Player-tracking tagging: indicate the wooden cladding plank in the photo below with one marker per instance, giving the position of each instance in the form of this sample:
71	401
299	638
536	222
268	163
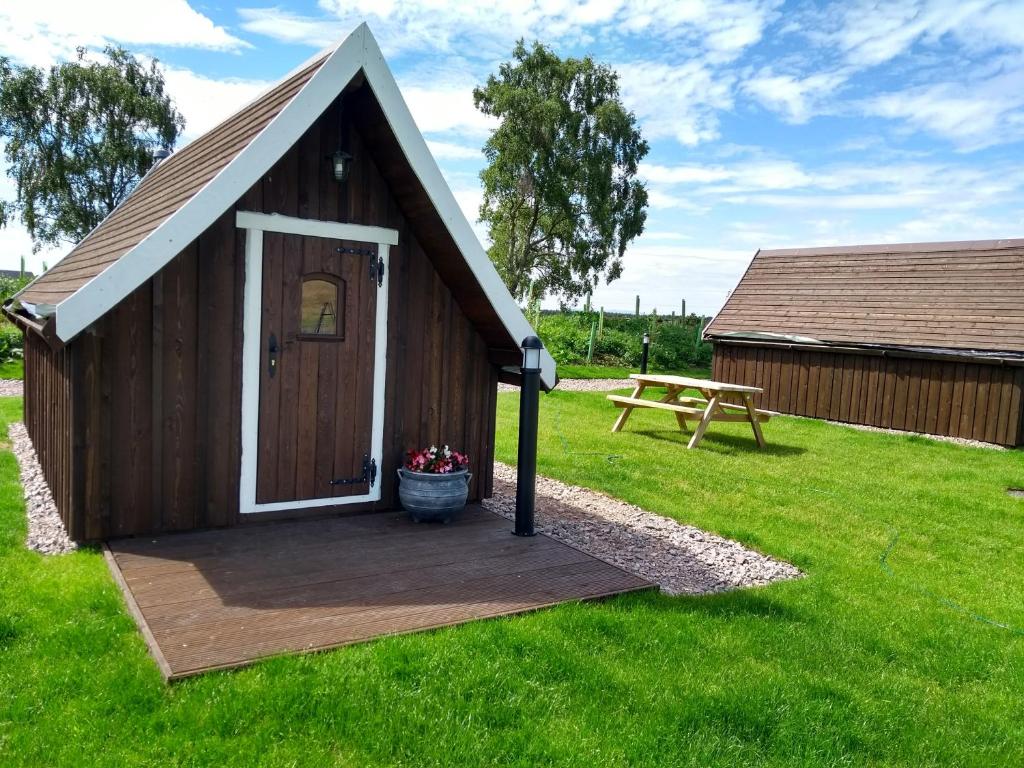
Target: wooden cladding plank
970	400
49	420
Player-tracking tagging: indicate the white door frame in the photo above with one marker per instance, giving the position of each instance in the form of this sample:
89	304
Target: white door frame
255	224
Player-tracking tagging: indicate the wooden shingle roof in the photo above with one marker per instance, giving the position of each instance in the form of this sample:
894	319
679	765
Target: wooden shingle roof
956	296
162	192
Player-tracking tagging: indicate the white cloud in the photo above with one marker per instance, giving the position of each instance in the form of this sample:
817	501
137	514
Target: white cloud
972	115
444	107
757	174
681	101
797	99
446	150
871	33
287	27
722	27
39	32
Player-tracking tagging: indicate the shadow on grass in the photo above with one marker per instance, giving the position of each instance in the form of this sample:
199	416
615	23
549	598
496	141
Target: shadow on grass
726	441
745	601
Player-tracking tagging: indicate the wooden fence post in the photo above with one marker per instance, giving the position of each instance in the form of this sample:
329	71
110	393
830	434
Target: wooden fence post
600	323
593	337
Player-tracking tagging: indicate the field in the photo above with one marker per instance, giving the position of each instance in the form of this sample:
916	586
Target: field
904	645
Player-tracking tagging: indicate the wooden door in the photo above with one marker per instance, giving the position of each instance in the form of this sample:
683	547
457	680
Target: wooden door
317	333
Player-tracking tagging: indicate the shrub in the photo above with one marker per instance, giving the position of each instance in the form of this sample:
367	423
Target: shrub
675	342
11	340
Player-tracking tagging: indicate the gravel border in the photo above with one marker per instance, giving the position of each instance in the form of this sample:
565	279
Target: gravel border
46	532
11	388
681	559
580	385
940	438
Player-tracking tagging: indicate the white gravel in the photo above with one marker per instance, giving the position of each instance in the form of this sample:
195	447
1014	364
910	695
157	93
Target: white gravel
10	388
46	532
680	559
580	385
940	438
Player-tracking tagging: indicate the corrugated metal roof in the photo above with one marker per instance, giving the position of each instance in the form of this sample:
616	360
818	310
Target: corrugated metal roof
959	296
162	192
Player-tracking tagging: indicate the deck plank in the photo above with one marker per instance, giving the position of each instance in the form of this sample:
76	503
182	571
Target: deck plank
226	598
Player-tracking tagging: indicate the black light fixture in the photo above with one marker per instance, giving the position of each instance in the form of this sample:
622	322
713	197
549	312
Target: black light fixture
341	164
526	469
645	349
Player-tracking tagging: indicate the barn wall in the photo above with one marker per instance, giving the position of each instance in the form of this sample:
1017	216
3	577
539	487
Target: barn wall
48	417
970	400
161	373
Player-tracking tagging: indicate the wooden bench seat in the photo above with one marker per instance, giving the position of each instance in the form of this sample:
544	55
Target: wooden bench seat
688	411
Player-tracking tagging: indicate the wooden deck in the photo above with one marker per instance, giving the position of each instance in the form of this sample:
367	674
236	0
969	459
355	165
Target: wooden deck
224	598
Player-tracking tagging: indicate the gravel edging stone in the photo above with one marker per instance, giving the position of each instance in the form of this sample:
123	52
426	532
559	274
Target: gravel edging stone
681	559
46	532
580	385
11	388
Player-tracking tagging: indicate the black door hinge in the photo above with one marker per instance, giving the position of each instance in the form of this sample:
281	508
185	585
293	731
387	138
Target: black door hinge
369	474
377	270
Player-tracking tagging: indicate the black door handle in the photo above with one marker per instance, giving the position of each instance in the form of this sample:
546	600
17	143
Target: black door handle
272	351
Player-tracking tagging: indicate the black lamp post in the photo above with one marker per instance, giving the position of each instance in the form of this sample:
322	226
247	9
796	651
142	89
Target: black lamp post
644	352
529	403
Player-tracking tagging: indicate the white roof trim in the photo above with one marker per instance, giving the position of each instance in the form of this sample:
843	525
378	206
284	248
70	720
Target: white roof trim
359	51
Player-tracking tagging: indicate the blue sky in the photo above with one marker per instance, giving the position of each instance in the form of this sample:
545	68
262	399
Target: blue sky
771	124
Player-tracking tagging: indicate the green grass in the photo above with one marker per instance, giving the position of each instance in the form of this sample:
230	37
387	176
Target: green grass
616	372
849	666
12	369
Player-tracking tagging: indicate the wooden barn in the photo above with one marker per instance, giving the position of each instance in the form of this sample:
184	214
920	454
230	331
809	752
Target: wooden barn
269	321
925	337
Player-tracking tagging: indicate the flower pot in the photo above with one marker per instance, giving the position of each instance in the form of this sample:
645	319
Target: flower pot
428	496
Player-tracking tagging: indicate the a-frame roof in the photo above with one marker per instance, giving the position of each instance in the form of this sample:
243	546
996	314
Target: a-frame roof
961	296
186	193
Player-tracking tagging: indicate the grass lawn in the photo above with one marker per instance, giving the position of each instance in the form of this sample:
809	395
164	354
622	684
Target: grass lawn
12	369
853	665
614	372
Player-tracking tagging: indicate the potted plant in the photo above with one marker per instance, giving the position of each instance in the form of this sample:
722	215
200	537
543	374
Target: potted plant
434	483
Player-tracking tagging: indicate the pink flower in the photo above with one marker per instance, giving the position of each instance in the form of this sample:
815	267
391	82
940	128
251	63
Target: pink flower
437	460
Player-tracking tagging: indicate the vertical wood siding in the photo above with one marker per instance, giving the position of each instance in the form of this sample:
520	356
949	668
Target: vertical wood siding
48	418
971	400
160	376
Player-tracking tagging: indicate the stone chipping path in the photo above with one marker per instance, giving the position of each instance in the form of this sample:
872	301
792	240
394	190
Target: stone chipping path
580	385
681	559
46	532
10	388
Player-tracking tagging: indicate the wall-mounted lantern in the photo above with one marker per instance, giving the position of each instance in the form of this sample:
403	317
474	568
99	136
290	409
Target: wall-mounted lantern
341	165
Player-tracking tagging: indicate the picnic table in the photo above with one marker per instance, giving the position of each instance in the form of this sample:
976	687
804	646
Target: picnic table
714	405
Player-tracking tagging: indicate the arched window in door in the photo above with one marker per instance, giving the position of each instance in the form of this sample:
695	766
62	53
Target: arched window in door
323	307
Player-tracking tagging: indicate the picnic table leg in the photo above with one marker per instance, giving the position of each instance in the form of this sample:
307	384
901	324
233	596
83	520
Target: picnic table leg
621	421
752	413
709	414
672	396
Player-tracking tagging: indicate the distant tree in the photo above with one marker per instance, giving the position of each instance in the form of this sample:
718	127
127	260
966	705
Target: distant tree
78	138
561	196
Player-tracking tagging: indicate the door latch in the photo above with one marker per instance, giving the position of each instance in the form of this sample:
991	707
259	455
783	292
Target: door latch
272	350
369	474
377	270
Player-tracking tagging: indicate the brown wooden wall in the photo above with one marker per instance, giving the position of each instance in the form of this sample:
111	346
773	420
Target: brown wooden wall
48	417
971	400
158	439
